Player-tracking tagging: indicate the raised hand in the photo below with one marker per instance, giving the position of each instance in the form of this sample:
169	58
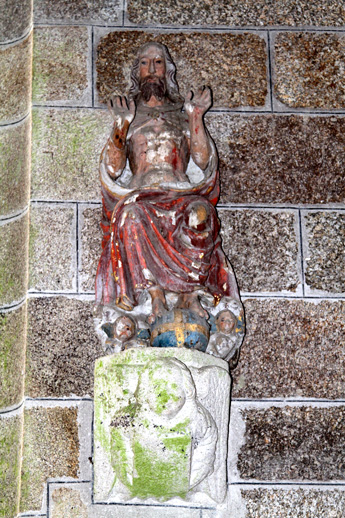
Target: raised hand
121	109
198	103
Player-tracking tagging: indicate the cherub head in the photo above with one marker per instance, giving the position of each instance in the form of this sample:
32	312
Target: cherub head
225	322
124	328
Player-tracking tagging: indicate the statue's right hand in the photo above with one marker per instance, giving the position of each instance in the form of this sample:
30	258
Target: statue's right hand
121	109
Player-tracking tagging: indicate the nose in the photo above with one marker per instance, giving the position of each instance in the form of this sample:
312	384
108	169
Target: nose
152	68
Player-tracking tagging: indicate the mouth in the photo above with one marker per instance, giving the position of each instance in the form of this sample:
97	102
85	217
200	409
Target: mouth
151	79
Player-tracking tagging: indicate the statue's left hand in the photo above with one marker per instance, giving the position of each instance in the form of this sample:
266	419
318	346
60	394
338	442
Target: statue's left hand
198	103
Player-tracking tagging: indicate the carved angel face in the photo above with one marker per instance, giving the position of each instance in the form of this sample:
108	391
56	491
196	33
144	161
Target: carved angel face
225	322
124	329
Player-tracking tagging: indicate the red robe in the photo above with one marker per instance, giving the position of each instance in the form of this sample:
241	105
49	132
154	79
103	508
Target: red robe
147	242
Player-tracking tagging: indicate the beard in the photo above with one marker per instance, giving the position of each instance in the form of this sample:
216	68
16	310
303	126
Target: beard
157	88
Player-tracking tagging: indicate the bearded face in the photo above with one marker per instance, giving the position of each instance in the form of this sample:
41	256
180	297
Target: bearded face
152	85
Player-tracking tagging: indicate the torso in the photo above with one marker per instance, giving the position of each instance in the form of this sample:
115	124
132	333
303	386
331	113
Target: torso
158	146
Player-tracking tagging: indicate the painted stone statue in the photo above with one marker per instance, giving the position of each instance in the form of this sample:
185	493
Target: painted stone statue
162	264
169	312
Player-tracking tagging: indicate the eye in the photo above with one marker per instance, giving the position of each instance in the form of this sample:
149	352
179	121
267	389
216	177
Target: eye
143	62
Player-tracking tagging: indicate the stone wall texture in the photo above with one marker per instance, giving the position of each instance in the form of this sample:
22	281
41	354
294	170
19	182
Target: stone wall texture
15	81
278	119
15	153
50	450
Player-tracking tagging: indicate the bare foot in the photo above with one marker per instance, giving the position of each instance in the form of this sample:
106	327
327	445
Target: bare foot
158	305
191	301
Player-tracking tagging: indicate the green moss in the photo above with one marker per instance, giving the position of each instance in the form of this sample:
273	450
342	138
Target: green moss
59	64
155	477
14	170
142	356
12	331
7	282
146	423
13	260
31	478
181	427
33	236
130	410
37	136
163	398
119	458
148	455
10	436
177	444
15	65
163	391
107	399
65	153
101	434
40	80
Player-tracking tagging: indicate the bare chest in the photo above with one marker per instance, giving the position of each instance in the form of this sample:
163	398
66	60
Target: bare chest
157	134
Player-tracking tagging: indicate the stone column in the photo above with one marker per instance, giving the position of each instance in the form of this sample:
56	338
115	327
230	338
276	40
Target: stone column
15	129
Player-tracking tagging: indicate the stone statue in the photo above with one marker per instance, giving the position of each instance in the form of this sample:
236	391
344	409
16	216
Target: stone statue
166	294
162	262
161	426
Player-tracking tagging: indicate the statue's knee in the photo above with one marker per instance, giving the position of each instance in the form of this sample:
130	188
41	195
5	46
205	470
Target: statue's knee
130	212
198	214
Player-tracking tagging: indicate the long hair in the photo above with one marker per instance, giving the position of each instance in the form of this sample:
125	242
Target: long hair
172	86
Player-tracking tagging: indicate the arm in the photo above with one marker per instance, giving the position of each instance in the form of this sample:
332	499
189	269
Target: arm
114	154
196	106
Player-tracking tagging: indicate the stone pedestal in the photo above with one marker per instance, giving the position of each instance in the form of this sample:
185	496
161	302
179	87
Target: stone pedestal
161	426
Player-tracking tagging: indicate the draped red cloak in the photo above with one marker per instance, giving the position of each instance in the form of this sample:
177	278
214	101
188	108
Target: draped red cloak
148	242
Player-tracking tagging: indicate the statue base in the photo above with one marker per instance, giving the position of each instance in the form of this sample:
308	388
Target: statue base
161	427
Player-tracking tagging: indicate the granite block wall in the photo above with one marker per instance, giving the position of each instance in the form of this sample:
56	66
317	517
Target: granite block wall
277	74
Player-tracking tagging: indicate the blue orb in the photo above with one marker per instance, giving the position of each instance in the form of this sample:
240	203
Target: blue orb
180	328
